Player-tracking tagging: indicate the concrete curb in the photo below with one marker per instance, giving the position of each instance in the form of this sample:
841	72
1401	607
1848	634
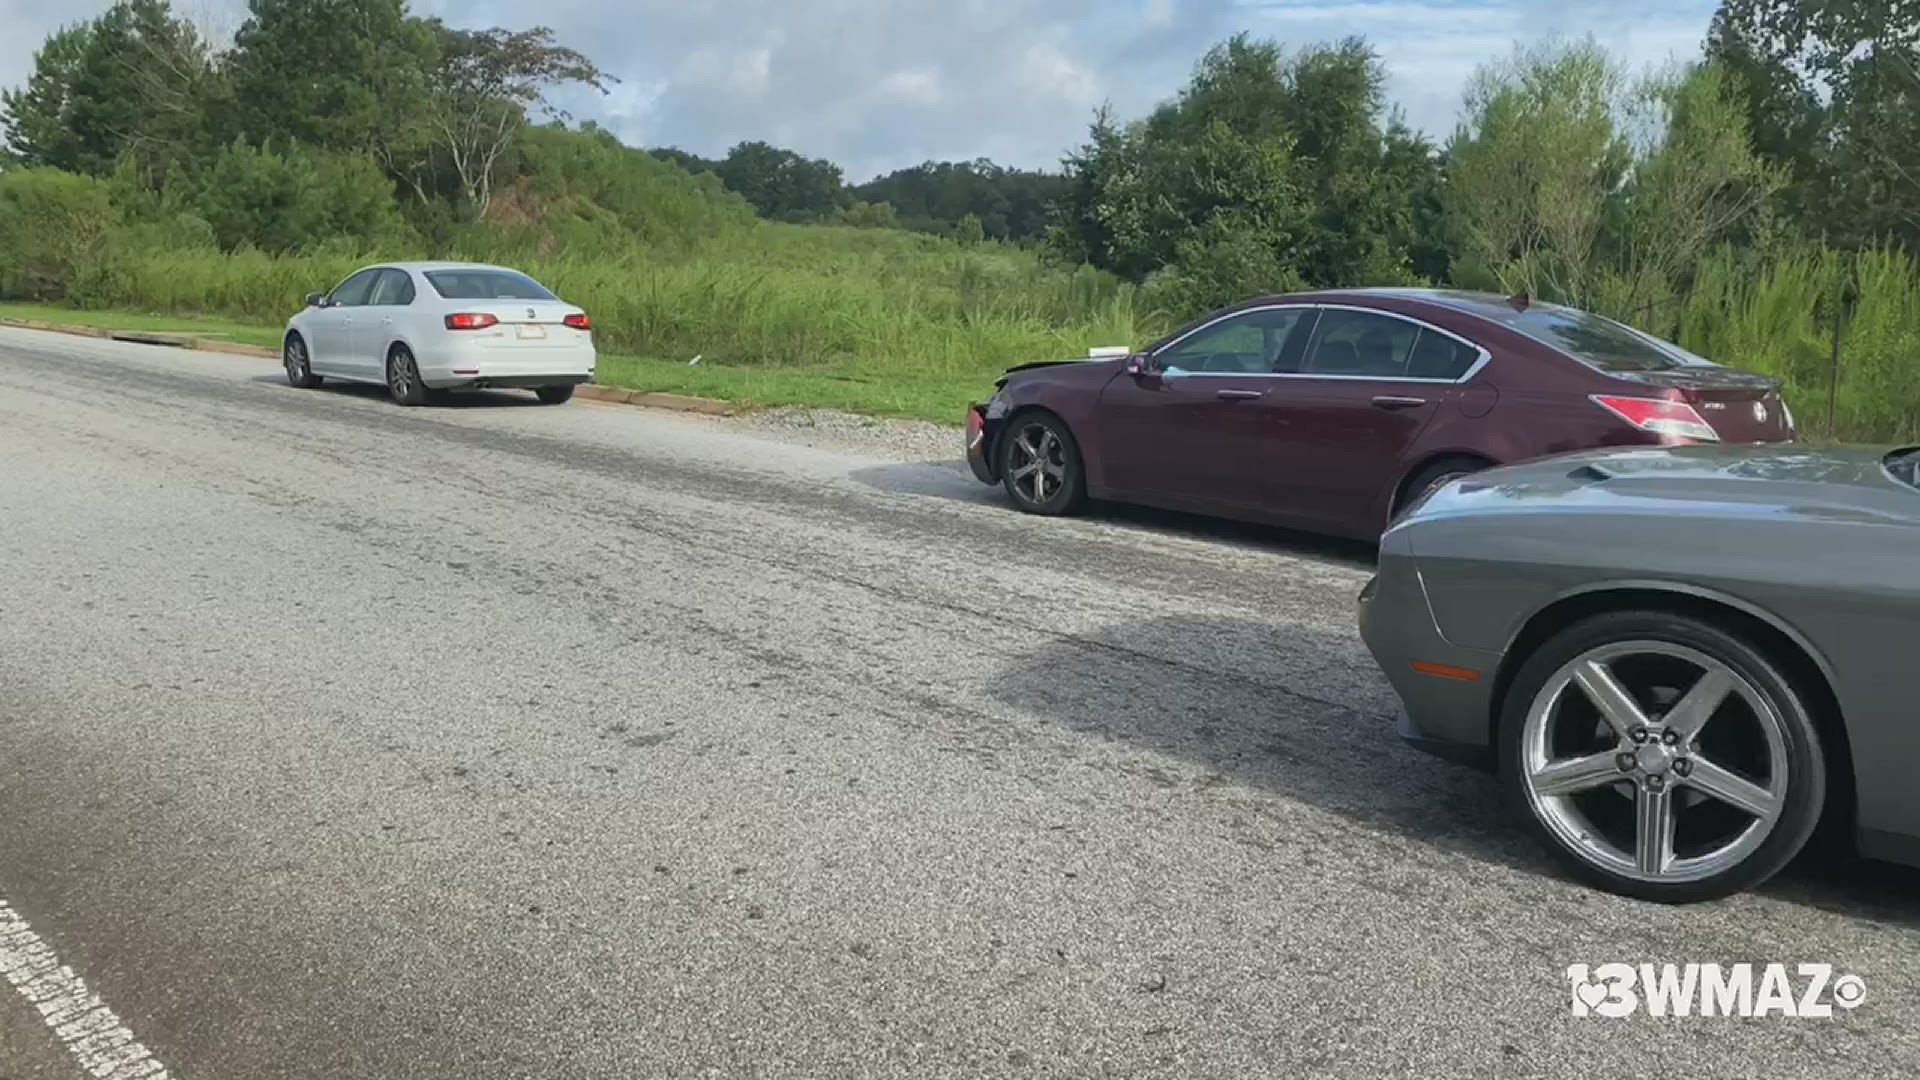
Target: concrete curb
591	391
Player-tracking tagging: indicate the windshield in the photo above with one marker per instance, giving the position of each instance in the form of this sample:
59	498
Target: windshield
1597	341
486	285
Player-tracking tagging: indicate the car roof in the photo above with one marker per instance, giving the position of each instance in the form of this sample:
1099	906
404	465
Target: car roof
1485	304
436	264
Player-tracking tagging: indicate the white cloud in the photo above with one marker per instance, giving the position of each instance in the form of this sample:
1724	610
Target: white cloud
877	84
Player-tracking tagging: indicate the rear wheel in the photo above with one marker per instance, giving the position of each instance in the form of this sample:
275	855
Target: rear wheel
403	378
1040	465
554	395
298	363
1661	757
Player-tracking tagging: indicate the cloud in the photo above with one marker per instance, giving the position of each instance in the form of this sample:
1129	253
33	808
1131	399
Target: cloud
878	84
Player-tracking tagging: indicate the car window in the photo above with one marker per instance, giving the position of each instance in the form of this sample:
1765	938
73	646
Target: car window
395	290
1361	343
1437	356
353	291
1253	343
486	285
1598	341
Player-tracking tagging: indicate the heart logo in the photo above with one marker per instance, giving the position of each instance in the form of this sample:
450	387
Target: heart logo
1592	994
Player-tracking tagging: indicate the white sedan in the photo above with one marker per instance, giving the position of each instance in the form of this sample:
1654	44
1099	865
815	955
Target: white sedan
420	328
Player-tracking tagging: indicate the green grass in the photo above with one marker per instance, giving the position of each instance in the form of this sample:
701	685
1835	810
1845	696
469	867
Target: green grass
925	396
200	326
851	387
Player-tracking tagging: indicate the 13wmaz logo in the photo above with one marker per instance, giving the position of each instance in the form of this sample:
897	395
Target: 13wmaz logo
1619	990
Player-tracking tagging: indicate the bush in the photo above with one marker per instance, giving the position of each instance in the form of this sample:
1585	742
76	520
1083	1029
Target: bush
55	229
295	199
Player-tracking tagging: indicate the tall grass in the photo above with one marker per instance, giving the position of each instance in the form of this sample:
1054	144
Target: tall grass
773	295
1779	318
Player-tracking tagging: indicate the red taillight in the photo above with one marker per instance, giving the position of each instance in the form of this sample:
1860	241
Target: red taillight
471	320
1659	416
578	322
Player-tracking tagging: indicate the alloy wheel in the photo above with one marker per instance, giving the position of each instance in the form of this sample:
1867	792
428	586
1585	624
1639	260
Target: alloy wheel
400	375
295	358
1037	463
1655	761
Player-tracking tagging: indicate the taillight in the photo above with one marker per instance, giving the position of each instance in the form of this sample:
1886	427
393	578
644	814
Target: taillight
578	321
471	320
1659	416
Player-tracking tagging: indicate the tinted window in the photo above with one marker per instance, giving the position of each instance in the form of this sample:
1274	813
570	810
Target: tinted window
1360	343
486	285
1437	356
1253	344
1597	341
353	291
395	290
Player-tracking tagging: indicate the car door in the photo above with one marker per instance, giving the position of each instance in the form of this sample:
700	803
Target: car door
332	326
378	324
1189	430
1370	382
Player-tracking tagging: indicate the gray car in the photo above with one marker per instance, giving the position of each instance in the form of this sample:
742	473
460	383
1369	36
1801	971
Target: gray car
1683	662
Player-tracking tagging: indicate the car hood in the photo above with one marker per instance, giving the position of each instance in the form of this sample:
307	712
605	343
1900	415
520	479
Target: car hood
1098	370
1732	481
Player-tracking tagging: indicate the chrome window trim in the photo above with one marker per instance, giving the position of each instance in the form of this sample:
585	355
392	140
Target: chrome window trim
1473	370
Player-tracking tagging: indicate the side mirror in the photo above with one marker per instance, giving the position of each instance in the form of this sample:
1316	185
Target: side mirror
1139	364
315	299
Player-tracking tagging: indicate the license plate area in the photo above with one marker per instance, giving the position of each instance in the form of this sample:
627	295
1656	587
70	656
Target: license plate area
529	333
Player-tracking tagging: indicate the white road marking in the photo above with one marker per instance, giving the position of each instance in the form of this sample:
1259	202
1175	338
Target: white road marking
80	1020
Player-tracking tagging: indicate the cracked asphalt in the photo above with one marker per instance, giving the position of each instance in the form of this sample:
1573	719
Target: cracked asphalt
497	740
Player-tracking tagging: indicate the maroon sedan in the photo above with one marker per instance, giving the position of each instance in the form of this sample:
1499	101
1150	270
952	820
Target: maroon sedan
1329	411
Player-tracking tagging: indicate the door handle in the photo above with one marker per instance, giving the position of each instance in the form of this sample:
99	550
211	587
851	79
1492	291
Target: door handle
1390	401
1239	395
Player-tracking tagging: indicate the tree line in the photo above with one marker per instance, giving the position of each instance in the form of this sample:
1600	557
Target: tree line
1568	176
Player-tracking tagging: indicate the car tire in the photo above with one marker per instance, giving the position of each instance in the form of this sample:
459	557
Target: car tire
403	378
1434	475
1056	484
298	362
1764	720
554	395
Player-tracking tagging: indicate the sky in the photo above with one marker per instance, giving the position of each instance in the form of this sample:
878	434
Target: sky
876	85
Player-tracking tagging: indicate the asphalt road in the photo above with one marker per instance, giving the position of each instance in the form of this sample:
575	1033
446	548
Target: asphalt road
498	740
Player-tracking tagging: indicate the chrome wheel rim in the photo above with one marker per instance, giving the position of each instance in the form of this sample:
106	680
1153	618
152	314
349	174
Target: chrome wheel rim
1037	463
296	361
400	375
1655	761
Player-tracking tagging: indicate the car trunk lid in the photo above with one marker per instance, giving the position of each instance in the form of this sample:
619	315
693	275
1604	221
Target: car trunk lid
524	324
1740	406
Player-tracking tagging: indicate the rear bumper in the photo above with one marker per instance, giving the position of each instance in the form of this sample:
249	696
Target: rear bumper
512	382
462	364
981	433
1446	691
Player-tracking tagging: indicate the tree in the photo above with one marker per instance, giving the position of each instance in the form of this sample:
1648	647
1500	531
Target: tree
1530	170
782	184
133	81
1277	165
481	91
1012	204
1567	183
1831	90
341	74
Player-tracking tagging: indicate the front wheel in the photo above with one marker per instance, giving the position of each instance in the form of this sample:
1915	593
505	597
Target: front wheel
554	395
298	363
1040	465
1660	756
403	378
